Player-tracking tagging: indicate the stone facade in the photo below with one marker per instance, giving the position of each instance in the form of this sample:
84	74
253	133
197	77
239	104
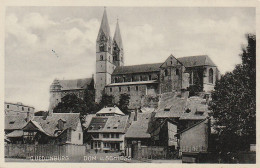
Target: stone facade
19	109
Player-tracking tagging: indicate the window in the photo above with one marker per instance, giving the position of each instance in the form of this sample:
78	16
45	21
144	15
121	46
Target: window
119	89
177	72
7	106
166	72
95	135
141	78
136	88
128	88
116	80
28	109
23	108
79	136
112	135
171	62
150	77
101	57
124	79
105	135
117	135
110	89
210	75
132	78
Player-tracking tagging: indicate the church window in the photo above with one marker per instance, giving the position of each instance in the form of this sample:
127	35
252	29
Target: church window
177	72
150	77
132	78
136	88
102	47
101	58
79	136
110	89
124	79
141	78
128	88
116	80
210	75
119	89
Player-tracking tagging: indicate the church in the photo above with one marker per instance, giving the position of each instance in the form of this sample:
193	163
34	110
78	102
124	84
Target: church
144	83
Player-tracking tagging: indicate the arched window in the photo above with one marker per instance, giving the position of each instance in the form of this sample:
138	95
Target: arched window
101	47
210	75
101	57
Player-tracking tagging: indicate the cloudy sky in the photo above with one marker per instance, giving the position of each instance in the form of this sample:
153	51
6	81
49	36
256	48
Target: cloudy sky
149	35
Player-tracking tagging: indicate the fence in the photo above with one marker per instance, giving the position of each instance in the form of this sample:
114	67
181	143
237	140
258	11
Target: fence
146	152
46	150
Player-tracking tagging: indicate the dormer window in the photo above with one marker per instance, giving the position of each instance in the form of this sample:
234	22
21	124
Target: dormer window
60	124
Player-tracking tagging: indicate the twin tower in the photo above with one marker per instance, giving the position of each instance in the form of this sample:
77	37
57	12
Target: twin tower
109	55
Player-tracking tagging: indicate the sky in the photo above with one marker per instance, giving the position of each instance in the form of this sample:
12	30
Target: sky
149	34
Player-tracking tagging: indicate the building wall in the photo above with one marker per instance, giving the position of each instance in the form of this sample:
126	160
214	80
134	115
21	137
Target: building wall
136	96
120	78
207	86
77	135
56	96
195	139
18	109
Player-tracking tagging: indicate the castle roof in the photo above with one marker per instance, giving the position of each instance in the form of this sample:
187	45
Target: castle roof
200	60
117	36
189	61
137	68
104	27
74	84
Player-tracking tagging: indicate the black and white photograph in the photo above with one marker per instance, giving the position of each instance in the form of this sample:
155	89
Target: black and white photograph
129	84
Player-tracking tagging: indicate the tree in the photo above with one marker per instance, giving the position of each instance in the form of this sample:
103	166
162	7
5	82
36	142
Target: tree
89	98
106	101
234	104
71	104
124	103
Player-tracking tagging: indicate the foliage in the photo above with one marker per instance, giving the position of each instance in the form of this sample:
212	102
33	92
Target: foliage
70	104
234	104
89	98
106	101
124	103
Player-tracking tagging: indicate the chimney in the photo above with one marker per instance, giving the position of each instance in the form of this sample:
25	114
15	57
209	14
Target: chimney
27	116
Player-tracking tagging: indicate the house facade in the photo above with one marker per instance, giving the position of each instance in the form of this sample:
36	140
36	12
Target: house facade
19	109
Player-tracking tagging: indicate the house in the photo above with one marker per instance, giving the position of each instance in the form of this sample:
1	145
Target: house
195	142
14	128
107	133
110	111
19	109
60	128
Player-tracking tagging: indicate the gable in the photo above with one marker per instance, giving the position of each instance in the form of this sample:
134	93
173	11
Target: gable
171	61
30	127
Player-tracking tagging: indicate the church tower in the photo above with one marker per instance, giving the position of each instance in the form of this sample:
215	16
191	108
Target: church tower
104	59
118	52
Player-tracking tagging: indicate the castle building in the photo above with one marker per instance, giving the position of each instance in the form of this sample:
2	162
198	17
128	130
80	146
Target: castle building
142	82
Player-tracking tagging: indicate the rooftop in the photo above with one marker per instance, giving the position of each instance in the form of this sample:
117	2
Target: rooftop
110	110
133	83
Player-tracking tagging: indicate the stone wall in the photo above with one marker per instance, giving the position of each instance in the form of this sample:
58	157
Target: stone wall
135	77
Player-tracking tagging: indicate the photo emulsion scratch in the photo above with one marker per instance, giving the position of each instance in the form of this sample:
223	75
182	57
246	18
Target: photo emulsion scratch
130	84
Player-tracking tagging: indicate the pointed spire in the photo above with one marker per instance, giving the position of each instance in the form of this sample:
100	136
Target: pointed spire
104	27
117	36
